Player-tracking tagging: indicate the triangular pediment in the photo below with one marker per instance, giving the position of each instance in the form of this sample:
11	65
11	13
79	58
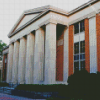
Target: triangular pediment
31	15
25	19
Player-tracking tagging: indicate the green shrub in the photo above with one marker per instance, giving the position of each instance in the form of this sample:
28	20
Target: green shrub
84	85
41	88
2	84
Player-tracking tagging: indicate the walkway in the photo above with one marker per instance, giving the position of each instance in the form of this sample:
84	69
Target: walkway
11	97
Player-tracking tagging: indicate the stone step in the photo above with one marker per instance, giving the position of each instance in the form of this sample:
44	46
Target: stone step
7	90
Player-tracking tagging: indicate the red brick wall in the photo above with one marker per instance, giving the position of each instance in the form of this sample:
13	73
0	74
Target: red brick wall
4	72
71	48
98	40
3	67
59	65
87	53
59	56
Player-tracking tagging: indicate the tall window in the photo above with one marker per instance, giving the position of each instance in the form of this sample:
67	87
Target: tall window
79	48
76	28
79	27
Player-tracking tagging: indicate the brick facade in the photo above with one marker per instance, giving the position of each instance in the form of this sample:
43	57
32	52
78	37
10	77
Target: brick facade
3	76
87	53
59	54
71	48
59	63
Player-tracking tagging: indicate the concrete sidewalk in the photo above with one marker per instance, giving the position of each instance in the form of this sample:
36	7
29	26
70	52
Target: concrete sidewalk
11	97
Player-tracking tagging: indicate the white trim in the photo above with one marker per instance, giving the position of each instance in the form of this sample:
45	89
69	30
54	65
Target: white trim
44	10
93	45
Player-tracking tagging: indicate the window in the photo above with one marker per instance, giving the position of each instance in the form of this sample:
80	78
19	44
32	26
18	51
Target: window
82	46
76	48
79	56
76	28
79	47
76	66
79	27
82	26
82	64
76	57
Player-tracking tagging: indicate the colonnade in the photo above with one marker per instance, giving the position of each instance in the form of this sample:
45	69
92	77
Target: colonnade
32	58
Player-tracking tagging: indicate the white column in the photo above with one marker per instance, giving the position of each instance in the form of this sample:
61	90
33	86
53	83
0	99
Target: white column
29	59
93	45
22	61
39	56
15	63
10	63
50	54
65	71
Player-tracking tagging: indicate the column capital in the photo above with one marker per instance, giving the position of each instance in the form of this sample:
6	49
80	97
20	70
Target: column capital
12	42
91	15
47	22
22	37
32	32
16	40
98	12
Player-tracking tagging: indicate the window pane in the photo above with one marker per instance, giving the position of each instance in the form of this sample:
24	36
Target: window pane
82	63
82	56
76	66
82	44
82	26
76	48
82	50
76	57
76	28
82	47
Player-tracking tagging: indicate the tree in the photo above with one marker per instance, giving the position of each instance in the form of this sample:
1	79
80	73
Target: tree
2	45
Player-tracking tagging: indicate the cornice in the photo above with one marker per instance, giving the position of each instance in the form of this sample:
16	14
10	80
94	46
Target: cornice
6	47
92	14
16	24
28	23
47	22
82	7
44	10
5	51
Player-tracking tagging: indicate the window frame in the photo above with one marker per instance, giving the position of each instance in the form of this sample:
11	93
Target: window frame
80	52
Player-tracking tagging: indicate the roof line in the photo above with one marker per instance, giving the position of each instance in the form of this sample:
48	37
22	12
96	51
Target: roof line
46	9
82	7
5	47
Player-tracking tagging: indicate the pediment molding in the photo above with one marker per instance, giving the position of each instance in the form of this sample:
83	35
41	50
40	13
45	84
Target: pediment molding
44	10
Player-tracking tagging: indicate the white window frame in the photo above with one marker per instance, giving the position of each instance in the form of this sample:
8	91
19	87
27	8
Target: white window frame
79	48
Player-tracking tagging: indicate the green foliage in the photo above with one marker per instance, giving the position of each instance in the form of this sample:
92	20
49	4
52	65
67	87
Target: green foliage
80	77
41	88
3	84
84	85
2	45
81	86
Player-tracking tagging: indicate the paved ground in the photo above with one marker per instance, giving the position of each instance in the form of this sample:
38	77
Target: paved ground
11	97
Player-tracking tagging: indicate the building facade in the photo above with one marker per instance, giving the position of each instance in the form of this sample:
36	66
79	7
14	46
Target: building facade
4	63
48	44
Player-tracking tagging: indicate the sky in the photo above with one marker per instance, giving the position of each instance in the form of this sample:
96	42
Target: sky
10	11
